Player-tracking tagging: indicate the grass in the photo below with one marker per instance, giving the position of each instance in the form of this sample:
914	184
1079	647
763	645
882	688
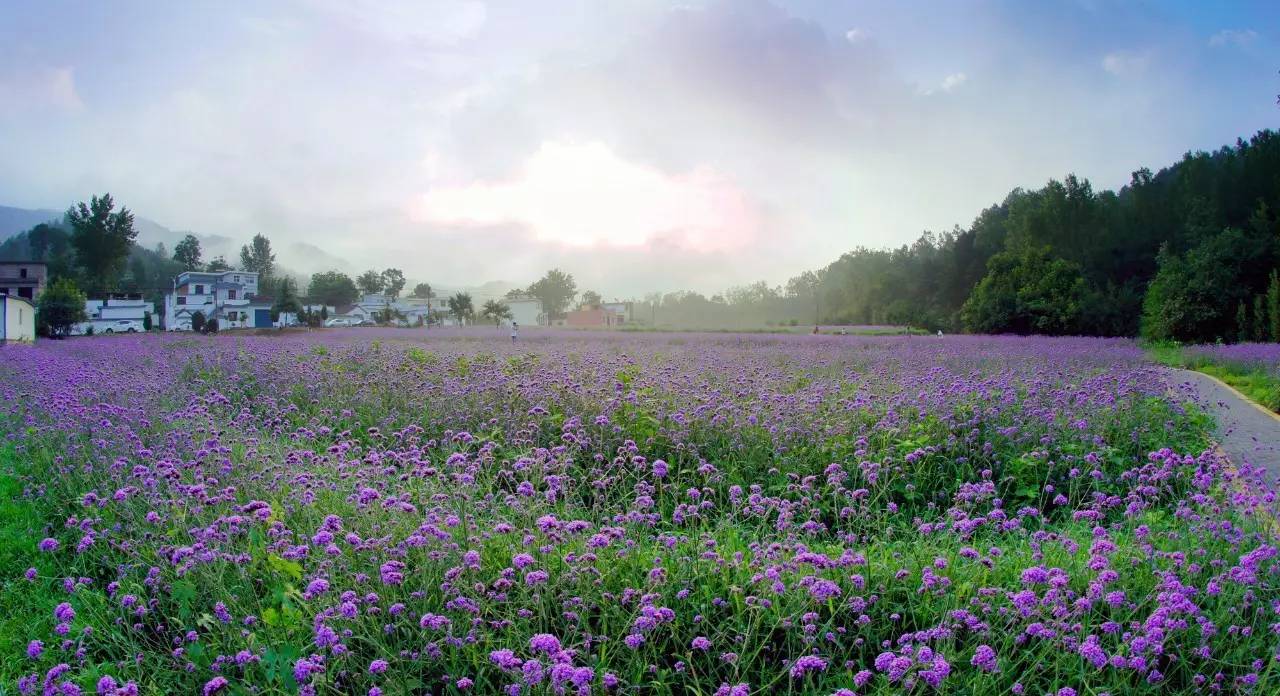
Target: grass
24	605
1258	384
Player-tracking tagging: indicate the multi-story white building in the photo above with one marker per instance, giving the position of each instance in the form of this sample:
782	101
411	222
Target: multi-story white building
231	297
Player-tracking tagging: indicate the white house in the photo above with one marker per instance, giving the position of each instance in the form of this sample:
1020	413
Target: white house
525	310
231	297
120	308
624	312
371	307
18	320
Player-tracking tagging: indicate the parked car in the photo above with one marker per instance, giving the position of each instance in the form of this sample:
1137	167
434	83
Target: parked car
119	326
339	322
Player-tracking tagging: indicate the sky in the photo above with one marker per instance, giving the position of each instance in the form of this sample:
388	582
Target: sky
640	145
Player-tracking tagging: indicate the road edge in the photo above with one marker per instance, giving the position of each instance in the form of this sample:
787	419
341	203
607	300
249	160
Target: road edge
1272	414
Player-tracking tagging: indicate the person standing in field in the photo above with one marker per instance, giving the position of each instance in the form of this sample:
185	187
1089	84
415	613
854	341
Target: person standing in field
515	331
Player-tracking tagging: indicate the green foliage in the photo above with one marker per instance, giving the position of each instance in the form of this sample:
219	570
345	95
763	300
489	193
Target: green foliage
422	290
286	299
332	288
371	282
217	265
1024	293
102	238
1273	306
1196	296
556	290
1114	238
392	282
461	307
495	311
256	256
61	305
187	253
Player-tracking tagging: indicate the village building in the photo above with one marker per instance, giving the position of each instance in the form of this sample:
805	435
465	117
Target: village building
230	297
17	319
24	279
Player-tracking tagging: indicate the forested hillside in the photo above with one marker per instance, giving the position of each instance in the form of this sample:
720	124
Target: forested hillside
1065	259
148	272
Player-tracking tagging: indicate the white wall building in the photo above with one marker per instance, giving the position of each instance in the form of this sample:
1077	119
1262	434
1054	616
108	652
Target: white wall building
231	297
525	311
18	323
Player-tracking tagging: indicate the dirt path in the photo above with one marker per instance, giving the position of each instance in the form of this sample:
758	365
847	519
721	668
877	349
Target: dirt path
1249	433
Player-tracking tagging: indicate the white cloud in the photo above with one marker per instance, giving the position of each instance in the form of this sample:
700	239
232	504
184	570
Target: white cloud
582	194
43	87
1235	37
953	81
1126	63
950	83
856	35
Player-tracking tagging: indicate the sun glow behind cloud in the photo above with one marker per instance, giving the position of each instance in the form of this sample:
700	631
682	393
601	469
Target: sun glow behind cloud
583	194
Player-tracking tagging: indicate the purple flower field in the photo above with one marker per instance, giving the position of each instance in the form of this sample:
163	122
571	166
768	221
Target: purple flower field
383	512
1254	356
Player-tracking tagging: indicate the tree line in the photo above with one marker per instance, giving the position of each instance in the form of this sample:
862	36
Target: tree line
1187	253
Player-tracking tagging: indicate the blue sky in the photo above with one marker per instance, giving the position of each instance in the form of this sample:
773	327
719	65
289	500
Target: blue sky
640	145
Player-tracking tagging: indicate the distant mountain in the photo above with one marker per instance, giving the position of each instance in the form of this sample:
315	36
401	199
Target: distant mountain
15	220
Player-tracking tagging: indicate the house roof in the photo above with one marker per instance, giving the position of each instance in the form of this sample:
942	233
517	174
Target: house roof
23	300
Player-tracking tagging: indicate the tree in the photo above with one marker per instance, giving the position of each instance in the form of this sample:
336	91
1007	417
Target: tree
187	253
370	282
591	299
495	311
256	257
1273	306
332	288
102	238
197	322
286	298
61	306
1193	296
392	282
461	308
218	264
422	290
556	290
1025	293
1260	323
40	239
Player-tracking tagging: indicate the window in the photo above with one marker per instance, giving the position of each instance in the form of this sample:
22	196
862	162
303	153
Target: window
236	278
22	273
182	300
231	294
